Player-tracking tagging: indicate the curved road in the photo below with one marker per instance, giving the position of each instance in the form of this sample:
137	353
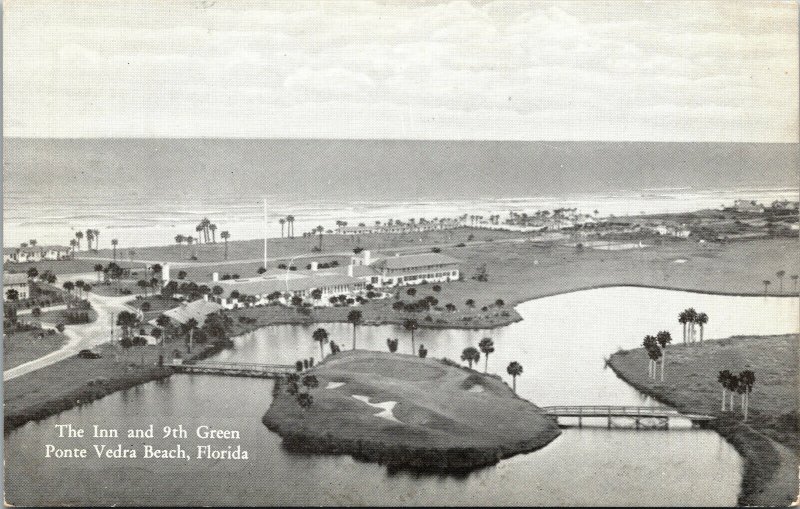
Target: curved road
79	336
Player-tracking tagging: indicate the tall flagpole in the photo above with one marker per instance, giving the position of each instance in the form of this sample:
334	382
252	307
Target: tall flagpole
265	233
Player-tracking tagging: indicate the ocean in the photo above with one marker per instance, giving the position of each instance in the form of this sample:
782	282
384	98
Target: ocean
146	191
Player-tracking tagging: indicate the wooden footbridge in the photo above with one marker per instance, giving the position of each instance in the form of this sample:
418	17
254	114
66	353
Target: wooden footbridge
642	416
236	369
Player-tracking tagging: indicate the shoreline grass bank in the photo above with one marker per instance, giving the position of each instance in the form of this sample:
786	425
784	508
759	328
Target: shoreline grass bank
768	442
78	381
442	418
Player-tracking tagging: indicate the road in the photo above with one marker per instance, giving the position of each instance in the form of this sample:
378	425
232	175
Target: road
79	336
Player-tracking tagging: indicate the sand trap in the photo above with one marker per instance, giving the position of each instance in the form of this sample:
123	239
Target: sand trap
476	388
681	260
334	385
387	408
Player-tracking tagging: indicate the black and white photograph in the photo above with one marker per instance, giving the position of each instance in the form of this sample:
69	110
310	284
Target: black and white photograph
401	253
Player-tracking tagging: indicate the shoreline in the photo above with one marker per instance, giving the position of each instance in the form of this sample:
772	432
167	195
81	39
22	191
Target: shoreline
763	460
14	421
243	329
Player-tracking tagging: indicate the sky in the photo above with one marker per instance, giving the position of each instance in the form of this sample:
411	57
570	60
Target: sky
507	70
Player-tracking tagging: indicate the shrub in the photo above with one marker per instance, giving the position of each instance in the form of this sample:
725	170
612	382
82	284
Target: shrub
60	327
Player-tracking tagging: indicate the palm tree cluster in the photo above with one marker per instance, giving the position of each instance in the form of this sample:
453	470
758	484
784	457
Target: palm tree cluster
206	231
656	348
295	384
92	236
288	222
689	319
741	384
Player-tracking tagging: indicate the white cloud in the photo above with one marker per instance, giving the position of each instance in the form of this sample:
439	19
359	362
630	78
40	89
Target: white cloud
503	69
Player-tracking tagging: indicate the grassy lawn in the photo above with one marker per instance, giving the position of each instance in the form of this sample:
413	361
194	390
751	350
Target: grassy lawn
521	271
254	249
21	347
59	316
57	267
439	408
691	386
116	288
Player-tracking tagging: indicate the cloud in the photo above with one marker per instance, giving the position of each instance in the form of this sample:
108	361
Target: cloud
649	70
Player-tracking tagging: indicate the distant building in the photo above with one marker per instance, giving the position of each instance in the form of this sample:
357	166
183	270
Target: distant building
749	206
18	282
30	254
397	227
785	205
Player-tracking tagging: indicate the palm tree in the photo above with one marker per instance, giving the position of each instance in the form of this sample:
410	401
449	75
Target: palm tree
73	244
79	236
514	369
178	240
766	282
282	221
290	220
691	317
650	344
163	322
702	320
320	229
780	275
354	317
89	238
143	285
487	346
213	229
98	268
664	338
96	239
470	355
747	378
411	325
191	325
200	229
794	283
321	336
114	243
683	320
225	235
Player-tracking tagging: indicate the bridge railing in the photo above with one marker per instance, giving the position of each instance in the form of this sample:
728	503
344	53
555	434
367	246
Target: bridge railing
605	410
239	365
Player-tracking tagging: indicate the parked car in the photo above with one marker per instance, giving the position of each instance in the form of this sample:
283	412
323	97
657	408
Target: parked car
88	354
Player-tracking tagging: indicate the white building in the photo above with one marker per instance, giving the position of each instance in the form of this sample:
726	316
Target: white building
31	254
404	270
18	282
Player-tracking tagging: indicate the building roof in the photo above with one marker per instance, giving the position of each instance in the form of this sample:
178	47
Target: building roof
364	270
14	279
261	286
416	260
10	250
198	310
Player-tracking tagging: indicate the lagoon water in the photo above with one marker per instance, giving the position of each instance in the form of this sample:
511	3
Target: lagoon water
561	343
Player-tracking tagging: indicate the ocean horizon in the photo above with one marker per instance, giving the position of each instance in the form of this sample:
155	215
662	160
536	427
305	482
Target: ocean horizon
146	191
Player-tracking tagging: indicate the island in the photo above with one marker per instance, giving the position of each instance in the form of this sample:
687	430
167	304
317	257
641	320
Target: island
768	438
407	413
